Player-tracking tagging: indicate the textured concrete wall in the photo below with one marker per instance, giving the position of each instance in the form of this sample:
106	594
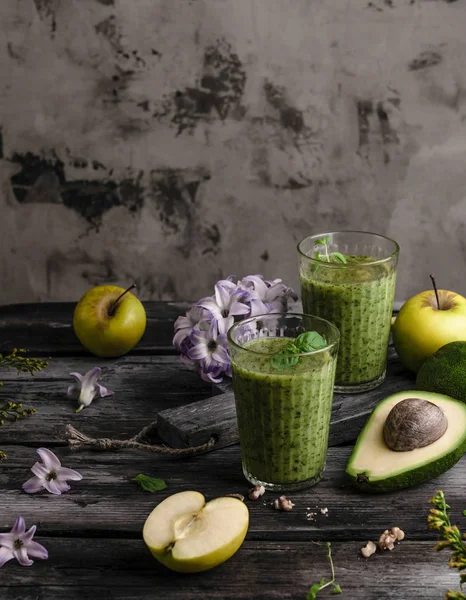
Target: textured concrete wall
171	142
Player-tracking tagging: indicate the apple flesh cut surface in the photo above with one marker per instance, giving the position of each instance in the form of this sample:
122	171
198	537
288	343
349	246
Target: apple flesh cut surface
188	535
421	327
107	329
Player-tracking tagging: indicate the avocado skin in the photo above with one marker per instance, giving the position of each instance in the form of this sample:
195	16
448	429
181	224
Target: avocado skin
445	372
411	478
408	478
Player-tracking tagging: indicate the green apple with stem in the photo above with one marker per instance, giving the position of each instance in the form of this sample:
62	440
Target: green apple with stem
426	322
109	320
187	534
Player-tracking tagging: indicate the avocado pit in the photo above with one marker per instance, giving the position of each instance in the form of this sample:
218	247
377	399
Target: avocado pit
413	423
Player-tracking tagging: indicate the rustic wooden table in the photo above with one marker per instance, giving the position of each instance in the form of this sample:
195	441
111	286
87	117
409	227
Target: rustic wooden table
93	533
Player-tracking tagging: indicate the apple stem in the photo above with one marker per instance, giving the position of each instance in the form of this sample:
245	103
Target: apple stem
111	310
435	290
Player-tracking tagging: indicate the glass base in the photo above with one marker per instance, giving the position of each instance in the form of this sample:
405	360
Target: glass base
284	487
356	388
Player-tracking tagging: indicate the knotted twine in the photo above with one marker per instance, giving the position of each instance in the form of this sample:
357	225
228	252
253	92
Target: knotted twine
77	440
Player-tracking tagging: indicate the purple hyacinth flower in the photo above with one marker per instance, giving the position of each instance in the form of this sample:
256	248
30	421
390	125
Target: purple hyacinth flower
210	350
20	545
87	388
50	475
196	318
227	303
267	296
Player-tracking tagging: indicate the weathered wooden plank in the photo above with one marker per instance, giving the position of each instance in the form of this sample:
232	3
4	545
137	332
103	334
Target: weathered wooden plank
196	423
143	386
106	503
47	329
109	569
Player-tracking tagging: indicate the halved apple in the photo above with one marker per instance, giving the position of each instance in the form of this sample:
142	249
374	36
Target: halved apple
188	535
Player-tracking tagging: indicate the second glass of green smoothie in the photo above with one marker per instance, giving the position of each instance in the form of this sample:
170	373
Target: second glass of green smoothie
283	396
348	277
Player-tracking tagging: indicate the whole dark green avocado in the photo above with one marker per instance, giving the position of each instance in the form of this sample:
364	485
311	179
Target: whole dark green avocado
445	372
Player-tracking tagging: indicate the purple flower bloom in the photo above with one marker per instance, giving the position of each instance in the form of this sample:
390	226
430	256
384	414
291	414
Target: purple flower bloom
87	388
210	349
196	318
20	545
200	336
50	475
267	296
227	303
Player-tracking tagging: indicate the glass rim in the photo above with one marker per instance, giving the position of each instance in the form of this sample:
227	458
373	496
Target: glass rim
329	345
349	265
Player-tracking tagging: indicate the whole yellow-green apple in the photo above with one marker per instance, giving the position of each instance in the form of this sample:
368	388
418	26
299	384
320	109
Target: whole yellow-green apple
109	320
187	534
425	323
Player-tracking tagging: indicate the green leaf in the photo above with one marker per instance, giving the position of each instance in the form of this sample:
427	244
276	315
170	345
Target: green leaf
149	484
309	341
464	513
312	595
337	589
284	362
339	256
322	241
305	342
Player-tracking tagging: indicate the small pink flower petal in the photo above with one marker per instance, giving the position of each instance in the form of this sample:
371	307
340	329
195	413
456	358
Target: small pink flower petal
19	527
5	555
224	324
198	352
52	487
7	540
37	550
39	470
90	378
77	376
103	391
180	336
21	556
73	390
33	485
27	537
50	460
62	486
221	355
65	473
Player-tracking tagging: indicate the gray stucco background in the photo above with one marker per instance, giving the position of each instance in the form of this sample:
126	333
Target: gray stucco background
172	142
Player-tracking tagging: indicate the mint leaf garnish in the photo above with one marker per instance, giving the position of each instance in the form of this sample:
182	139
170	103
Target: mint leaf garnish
339	256
281	362
309	341
305	342
328	256
323	241
149	484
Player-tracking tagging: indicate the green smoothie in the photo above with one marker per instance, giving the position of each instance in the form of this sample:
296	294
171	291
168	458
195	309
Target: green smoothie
358	299
283	413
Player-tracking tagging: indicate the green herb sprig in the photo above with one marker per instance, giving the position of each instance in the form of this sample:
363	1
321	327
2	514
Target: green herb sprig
305	342
317	587
12	411
22	364
326	255
149	484
451	538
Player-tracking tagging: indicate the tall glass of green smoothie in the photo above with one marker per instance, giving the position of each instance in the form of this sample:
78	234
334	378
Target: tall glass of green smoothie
283	377
348	278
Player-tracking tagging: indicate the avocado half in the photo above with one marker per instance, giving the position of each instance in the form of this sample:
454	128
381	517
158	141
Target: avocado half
373	467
